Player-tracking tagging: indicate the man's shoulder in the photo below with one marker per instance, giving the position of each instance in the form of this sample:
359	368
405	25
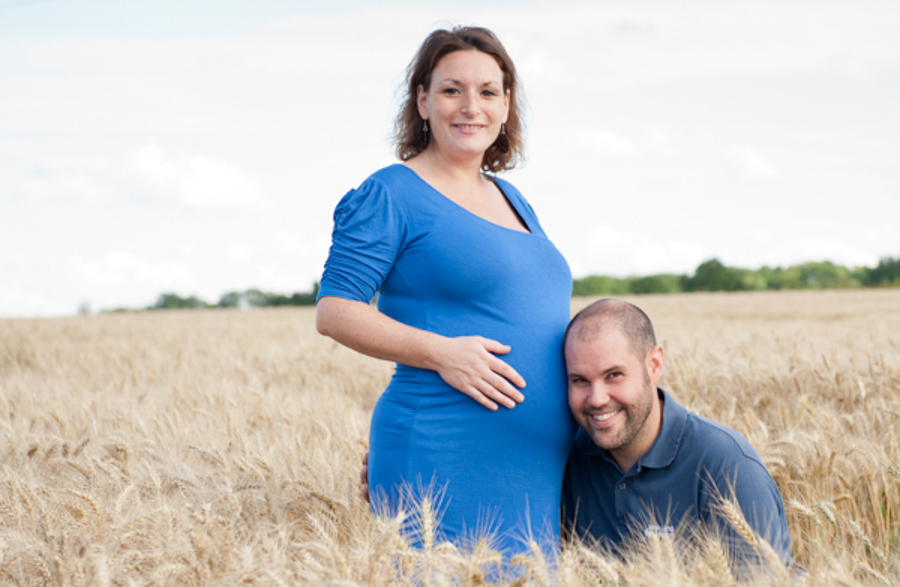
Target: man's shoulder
715	443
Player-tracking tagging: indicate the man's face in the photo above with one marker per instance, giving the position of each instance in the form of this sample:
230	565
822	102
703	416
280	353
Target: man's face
612	393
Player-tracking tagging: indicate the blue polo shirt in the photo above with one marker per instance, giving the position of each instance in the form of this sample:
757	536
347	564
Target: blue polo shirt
692	462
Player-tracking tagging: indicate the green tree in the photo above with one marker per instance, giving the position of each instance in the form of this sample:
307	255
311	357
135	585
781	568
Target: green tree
663	283
231	299
171	301
712	275
777	278
825	275
254	298
599	285
887	272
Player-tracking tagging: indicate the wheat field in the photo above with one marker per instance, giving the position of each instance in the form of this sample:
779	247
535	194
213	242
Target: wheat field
220	447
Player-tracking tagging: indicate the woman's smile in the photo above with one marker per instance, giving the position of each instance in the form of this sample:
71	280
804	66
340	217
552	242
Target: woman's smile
465	104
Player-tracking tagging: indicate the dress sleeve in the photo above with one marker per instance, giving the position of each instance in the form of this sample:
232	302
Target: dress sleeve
369	231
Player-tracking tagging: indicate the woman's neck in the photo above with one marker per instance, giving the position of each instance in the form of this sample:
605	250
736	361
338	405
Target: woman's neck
461	172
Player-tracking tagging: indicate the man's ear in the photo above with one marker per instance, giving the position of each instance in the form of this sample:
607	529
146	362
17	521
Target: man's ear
655	361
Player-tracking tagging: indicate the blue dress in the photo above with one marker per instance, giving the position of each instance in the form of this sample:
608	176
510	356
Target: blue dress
438	267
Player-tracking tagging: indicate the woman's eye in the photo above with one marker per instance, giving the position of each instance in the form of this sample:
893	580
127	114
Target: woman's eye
489	93
451	91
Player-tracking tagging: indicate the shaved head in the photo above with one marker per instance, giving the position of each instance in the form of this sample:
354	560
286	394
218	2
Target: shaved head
606	314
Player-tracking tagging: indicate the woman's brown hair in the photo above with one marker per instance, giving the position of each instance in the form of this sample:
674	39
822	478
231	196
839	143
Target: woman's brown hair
409	135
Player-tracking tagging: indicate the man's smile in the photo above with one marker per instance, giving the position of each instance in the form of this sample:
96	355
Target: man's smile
603	419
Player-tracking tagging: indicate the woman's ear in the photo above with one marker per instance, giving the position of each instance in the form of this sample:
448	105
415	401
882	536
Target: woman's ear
506	99
421	98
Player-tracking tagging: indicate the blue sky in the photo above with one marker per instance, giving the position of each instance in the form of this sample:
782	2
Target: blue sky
200	147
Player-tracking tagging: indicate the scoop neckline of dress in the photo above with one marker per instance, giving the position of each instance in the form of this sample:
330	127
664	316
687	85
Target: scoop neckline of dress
529	231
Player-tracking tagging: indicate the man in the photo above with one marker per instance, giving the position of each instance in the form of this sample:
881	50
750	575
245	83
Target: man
642	462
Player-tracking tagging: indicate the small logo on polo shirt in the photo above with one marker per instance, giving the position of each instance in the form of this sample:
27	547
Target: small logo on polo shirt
657	530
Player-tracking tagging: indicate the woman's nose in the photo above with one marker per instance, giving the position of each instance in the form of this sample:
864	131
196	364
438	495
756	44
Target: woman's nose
470	104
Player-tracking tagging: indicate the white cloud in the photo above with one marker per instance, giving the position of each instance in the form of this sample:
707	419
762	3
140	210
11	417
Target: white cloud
117	270
853	67
18	302
610	251
750	166
534	62
658	140
607	142
148	176
197	180
239	254
72	185
123	279
794	251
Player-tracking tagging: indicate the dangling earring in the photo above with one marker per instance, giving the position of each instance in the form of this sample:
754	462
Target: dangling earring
503	129
425	131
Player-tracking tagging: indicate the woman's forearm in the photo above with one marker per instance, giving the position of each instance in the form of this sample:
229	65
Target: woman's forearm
468	363
363	328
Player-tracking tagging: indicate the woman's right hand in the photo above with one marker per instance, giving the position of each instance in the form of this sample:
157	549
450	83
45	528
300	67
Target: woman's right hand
470	364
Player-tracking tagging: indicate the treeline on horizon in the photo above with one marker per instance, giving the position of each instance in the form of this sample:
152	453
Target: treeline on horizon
711	275
251	298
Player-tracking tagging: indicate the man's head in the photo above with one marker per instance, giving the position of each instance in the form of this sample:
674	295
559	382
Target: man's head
613	365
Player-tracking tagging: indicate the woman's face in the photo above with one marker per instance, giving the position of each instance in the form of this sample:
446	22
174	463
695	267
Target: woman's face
465	104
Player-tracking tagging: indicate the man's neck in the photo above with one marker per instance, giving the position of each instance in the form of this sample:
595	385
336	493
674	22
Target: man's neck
627	456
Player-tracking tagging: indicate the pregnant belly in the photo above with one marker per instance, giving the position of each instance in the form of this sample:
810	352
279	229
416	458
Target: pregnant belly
429	410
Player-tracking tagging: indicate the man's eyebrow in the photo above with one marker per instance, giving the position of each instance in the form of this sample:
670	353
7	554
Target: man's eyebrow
607	371
613	368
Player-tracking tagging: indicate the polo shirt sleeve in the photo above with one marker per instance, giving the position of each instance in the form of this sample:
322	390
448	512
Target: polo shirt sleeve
753	489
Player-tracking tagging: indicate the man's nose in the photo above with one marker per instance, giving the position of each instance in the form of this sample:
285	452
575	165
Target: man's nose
598	396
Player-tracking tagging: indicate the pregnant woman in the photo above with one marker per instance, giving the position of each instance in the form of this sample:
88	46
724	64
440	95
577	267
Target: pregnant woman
473	300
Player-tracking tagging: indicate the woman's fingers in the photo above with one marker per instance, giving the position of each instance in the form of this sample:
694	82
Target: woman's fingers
481	398
500	390
364	477
499	383
472	366
503	368
508	379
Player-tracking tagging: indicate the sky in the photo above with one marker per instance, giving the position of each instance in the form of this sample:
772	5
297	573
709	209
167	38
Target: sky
200	147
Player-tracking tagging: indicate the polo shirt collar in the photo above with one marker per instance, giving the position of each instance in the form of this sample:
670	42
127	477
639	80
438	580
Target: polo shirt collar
664	449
